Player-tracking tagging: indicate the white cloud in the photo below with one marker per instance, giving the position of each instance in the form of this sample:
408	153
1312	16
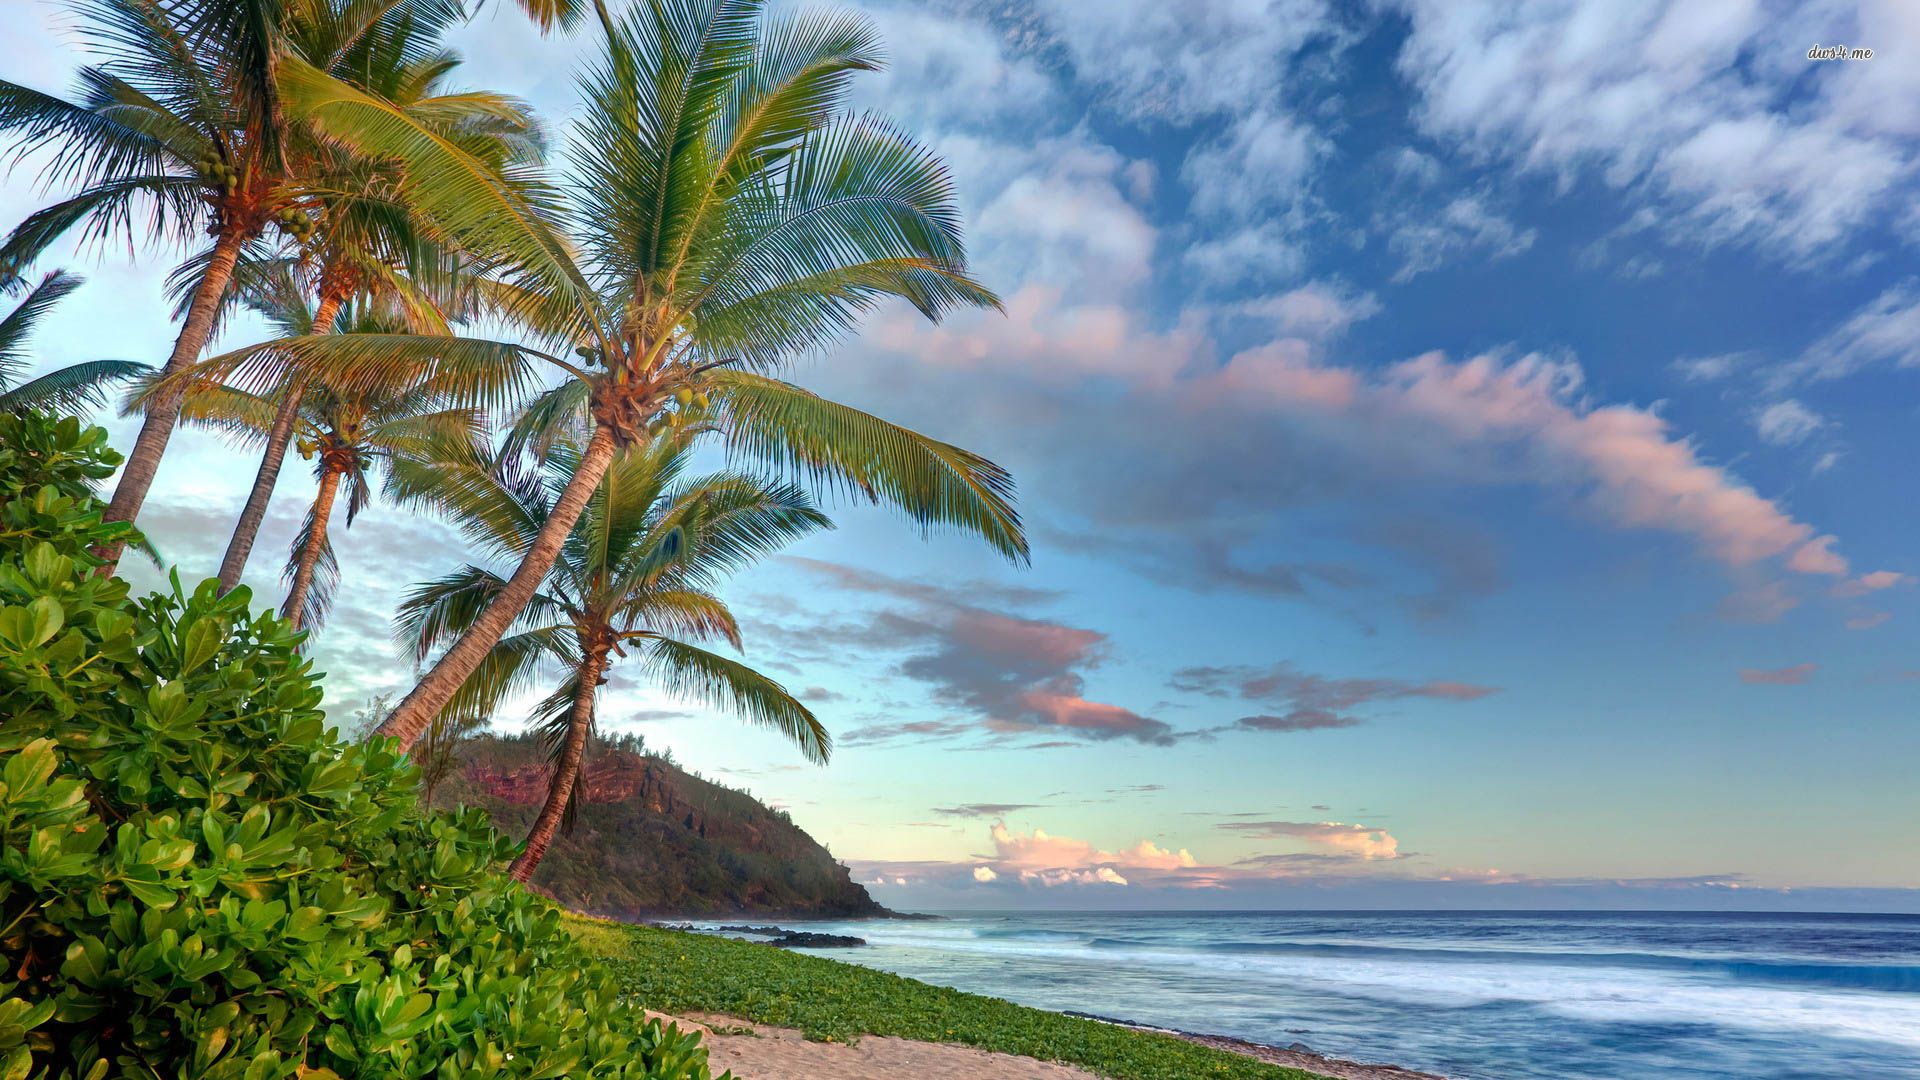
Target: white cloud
1263	160
1884	331
1679	104
1786	422
1068	223
1709	368
1184	62
1464	226
984	874
1319	309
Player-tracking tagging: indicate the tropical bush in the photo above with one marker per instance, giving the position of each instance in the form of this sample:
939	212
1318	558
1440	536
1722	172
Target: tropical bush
200	879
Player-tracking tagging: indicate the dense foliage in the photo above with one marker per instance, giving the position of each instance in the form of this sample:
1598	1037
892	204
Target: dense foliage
652	839
199	879
835	1002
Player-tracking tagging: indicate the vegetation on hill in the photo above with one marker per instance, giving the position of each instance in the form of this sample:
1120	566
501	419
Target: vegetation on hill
836	1002
199	879
652	839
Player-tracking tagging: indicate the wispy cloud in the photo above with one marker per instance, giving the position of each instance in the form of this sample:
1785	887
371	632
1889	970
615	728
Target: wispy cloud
1363	841
1309	702
1786	676
982	810
1013	674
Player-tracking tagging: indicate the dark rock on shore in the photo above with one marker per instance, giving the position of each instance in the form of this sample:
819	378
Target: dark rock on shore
806	939
794	939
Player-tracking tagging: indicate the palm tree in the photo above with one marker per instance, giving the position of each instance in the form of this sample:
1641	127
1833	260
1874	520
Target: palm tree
184	116
636	572
347	434
183	119
360	233
70	388
725	215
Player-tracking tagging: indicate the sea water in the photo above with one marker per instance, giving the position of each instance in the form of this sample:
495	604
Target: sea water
1465	994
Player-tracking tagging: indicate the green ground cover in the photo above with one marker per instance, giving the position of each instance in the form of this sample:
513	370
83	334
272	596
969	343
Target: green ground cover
827	1000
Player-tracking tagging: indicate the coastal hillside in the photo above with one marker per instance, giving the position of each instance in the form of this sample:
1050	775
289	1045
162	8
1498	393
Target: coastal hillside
651	839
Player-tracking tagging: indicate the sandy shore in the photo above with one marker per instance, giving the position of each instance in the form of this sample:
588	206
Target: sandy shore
771	1053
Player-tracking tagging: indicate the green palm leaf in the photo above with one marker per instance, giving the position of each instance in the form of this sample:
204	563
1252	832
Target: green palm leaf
693	672
834	446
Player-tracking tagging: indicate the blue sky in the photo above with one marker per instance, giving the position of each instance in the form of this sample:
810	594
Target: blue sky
1466	448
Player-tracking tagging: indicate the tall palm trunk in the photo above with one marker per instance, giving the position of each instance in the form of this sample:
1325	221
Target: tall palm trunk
163	410
410	718
310	555
247	529
566	772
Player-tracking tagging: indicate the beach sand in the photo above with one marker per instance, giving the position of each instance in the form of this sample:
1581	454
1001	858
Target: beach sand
772	1053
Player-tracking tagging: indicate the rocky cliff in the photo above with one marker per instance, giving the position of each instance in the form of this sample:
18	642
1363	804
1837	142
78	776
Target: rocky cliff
650	839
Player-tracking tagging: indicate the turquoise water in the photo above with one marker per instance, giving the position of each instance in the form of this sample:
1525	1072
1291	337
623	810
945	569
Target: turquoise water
1467	994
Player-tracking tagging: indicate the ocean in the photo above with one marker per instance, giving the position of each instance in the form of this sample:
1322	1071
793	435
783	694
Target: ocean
1496	995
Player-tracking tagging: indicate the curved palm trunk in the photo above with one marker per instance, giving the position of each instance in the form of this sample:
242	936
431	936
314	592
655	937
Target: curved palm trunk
163	411
247	529
566	772
310	555
410	718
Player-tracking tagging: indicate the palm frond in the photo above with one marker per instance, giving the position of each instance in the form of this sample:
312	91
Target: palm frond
496	503
326	576
85	385
18	324
88	148
504	223
106	209
474	371
511	668
693	672
837	447
241	417
680	613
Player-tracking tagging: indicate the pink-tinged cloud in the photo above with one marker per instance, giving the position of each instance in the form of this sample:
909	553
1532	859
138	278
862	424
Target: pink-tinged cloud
1281	372
1870	583
1042	858
1758	604
1045	708
1786	676
1013	674
1867	620
1033	642
1635	471
1816	556
1360	841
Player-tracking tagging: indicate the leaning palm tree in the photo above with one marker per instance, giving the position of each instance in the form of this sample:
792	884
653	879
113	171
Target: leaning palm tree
183	117
636	573
69	388
182	124
724	215
359	235
347	435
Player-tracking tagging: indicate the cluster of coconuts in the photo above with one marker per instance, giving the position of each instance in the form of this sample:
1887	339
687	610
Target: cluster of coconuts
219	173
691	403
307	448
294	222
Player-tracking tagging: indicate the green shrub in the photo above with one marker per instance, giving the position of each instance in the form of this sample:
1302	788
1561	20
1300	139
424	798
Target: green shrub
199	879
